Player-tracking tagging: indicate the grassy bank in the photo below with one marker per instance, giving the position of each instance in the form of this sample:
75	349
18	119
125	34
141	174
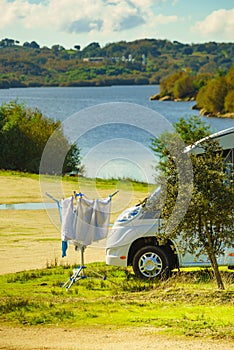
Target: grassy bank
17	187
187	305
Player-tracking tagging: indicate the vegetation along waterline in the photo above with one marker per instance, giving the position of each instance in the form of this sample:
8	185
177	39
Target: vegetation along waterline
214	94
24	133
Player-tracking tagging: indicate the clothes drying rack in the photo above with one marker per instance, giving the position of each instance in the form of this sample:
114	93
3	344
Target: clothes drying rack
78	273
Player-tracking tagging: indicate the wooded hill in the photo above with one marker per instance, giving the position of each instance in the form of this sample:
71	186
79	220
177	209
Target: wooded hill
143	61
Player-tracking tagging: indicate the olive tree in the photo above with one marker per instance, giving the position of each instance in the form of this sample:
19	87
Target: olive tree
208	224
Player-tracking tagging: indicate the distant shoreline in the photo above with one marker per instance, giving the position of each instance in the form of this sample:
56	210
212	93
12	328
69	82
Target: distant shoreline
203	112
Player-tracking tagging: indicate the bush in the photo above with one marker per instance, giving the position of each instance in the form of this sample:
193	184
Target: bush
184	87
211	97
24	133
229	102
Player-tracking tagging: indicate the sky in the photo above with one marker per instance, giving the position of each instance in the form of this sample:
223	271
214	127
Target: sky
81	22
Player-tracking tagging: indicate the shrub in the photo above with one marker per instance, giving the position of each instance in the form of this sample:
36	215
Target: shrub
229	102
24	133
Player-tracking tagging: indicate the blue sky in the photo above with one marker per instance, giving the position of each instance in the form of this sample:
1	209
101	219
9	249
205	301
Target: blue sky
80	22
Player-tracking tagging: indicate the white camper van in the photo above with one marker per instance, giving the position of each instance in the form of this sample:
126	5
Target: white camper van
133	238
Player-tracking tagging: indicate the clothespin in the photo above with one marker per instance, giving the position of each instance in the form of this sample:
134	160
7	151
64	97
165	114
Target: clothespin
77	194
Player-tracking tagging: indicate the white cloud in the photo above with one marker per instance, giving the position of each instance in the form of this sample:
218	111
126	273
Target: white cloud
80	16
85	21
219	24
18	11
61	13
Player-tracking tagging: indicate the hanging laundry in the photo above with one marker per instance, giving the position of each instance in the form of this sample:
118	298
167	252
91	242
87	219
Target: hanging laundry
85	209
64	248
101	218
69	218
84	222
93	218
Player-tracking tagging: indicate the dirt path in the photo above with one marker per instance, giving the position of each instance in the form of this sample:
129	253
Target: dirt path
37	338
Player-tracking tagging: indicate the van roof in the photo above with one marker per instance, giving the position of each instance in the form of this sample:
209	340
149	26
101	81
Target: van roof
225	138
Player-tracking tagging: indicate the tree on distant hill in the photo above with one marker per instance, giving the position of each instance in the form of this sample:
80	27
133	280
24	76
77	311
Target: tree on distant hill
33	45
8	42
24	133
92	50
57	48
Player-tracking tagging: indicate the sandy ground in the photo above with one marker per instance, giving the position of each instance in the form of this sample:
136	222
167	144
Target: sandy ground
29	240
37	256
98	339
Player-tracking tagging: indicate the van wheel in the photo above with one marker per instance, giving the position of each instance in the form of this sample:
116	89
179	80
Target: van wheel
150	262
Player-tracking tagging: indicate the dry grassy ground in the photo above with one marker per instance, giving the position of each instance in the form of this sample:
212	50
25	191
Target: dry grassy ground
29	240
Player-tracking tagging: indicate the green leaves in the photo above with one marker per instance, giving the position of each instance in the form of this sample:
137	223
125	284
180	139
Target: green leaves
208	223
138	62
24	133
218	95
212	96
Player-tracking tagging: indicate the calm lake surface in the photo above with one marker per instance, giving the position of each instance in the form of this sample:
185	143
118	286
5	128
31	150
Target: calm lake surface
110	149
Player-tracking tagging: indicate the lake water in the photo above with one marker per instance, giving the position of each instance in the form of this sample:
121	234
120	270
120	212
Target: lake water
112	125
28	206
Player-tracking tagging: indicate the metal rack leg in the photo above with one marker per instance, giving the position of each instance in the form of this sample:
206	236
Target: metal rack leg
78	273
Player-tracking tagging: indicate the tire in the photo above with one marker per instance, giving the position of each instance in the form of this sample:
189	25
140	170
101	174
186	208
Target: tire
151	262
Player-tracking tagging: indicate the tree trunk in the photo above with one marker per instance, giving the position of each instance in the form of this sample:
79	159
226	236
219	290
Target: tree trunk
214	263
215	267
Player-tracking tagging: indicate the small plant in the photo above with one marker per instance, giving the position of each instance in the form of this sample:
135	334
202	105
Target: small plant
52	264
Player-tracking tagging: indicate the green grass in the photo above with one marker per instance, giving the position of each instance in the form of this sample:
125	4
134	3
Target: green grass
187	304
100	183
13	174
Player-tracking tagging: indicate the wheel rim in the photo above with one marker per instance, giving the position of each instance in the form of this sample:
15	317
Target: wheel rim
150	264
